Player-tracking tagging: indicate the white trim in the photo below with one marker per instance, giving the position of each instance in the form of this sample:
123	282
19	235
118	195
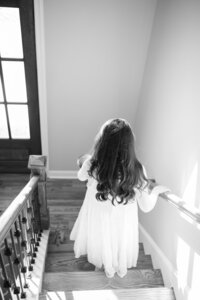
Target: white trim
62	174
41	72
158	257
160	261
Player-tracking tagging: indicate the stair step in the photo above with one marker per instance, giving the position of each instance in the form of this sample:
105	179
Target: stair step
64	210
65	189
65	202
65	194
69	246
62	248
74	281
66	262
65	183
119	294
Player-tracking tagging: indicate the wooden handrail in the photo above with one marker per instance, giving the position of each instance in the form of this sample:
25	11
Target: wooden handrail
185	208
11	213
176	201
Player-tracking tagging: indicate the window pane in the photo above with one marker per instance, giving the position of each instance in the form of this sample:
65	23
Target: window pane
3	123
19	121
10	33
14	79
1	92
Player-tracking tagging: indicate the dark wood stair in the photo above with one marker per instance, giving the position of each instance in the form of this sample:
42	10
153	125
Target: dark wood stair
77	281
61	261
68	278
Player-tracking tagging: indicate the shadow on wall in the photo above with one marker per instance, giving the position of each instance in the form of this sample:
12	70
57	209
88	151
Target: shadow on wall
187	257
187	268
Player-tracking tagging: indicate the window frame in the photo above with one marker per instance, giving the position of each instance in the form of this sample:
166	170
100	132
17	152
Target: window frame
32	145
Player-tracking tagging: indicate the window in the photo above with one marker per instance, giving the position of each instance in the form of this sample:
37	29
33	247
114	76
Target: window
19	109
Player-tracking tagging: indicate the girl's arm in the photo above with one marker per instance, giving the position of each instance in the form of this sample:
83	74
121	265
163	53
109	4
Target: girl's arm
84	164
147	198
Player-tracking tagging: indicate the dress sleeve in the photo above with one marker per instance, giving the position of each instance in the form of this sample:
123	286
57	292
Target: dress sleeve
83	171
147	199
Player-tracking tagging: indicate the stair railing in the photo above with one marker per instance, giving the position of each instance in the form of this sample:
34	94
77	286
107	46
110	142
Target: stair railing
181	205
21	227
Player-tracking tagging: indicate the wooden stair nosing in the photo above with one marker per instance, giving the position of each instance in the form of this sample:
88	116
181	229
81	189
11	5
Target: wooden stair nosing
120	294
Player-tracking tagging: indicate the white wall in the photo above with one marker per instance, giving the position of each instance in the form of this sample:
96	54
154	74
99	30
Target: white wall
167	131
95	54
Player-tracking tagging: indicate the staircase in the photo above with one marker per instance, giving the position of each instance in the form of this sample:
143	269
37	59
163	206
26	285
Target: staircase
68	278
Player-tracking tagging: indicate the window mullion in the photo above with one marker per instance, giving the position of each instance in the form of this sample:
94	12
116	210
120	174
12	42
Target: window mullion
4	96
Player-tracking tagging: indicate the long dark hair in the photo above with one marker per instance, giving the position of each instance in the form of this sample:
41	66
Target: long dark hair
114	164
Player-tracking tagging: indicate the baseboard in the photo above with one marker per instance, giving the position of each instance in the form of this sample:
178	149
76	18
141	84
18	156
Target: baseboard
160	261
62	174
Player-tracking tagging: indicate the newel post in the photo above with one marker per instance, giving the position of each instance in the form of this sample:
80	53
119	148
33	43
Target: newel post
37	165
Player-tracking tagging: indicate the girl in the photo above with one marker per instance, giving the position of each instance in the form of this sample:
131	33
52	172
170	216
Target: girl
107	225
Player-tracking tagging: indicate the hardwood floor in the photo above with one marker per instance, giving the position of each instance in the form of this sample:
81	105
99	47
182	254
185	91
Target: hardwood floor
10	187
65	198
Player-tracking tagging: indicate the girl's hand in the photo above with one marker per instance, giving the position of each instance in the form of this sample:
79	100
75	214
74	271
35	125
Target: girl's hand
81	159
151	184
159	189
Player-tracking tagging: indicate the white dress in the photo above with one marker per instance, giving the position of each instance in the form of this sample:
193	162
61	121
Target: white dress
108	234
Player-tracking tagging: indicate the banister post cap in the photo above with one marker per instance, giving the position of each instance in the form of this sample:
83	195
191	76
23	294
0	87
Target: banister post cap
37	161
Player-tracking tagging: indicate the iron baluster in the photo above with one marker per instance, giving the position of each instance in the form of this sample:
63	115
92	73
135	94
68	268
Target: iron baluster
32	238
17	234
17	263
33	226
28	240
6	281
35	219
8	253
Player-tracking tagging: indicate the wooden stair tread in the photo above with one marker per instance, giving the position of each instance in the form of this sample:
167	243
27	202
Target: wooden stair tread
69	247
64	209
69	281
65	202
65	189
62	248
119	294
66	262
